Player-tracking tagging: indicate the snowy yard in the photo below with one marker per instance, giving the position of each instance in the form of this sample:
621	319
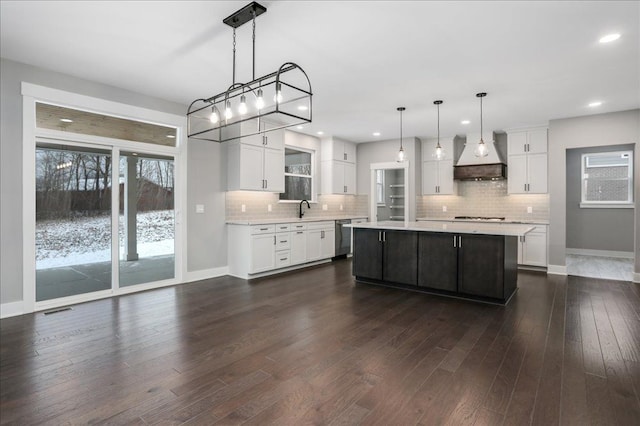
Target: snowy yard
65	242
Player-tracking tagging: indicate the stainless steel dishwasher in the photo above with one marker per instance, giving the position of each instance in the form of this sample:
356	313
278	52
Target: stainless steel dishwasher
343	237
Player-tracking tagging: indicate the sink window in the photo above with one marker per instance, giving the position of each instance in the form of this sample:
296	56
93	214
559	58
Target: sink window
298	175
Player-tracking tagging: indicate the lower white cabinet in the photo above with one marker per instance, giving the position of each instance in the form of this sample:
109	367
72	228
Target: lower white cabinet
532	247
259	249
321	241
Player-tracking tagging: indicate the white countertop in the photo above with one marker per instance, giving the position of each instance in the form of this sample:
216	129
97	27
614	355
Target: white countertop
484	228
267	221
507	221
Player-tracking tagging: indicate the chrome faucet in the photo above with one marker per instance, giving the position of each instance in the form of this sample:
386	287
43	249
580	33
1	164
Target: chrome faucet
301	213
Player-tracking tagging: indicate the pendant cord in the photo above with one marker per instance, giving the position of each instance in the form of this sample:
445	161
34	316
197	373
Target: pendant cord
401	130
234	57
254	45
438	124
481	129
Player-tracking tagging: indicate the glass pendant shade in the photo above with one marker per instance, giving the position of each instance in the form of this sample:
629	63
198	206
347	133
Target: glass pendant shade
242	108
439	154
259	99
228	114
214	117
401	155
481	149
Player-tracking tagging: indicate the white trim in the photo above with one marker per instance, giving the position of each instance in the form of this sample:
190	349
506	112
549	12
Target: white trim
604	205
11	309
601	253
205	274
31	95
636	277
280	270
557	269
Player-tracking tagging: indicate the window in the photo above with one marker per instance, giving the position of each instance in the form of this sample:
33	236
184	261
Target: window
607	179
380	187
298	175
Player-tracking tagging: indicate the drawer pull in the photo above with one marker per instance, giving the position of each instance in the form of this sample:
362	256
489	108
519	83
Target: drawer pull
283	258
285	241
264	229
300	232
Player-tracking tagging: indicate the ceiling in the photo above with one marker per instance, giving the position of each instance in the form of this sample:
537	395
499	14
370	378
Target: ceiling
536	60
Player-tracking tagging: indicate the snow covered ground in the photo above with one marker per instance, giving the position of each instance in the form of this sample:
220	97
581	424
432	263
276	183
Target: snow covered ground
65	242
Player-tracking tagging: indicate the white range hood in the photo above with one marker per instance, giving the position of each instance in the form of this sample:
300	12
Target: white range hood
489	167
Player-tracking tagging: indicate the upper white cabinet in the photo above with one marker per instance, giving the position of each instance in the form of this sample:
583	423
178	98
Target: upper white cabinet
256	163
338	168
527	161
437	175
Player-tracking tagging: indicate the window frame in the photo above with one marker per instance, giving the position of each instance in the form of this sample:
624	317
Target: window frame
312	176
628	203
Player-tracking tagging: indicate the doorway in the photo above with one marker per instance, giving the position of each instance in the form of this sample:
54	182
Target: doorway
389	191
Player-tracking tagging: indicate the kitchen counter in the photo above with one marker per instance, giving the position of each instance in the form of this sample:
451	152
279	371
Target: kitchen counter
475	227
267	221
531	222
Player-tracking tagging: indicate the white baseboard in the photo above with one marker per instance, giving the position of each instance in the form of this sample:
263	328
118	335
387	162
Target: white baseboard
557	269
601	253
636	277
11	309
205	274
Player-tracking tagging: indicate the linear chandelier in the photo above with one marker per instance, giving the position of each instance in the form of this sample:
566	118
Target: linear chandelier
274	101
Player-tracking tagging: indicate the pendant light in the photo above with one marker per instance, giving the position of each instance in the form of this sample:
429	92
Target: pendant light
481	149
439	154
244	109
401	152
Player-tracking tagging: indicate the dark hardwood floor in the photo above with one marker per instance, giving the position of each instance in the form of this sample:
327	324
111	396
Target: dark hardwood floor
313	347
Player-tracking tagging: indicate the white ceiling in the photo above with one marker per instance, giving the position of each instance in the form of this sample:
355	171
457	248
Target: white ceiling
537	60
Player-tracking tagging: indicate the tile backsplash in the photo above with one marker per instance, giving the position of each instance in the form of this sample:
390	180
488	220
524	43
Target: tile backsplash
257	206
484	198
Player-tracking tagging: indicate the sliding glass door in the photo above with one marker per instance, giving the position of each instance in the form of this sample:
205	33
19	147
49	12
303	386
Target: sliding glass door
147	219
73	221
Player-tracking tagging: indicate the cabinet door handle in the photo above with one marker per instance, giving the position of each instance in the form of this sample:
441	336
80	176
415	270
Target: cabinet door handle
345	188
266	183
454	241
321	234
460	241
384	236
345	155
274	240
379	236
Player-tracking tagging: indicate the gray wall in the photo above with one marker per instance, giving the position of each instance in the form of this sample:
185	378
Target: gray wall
595	229
615	128
386	151
203	183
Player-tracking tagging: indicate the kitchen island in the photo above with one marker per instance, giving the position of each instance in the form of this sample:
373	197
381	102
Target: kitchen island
469	260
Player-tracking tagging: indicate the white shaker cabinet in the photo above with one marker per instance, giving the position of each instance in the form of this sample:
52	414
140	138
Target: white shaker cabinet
256	163
532	248
338	167
437	175
298	243
320	240
527	161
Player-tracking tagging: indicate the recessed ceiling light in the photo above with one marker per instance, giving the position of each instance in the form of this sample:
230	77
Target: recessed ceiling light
134	153
66	120
300	127
321	132
595	104
465	122
609	38
303	107
171	136
376	133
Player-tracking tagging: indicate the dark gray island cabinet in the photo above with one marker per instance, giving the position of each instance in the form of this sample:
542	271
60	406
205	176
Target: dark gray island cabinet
475	261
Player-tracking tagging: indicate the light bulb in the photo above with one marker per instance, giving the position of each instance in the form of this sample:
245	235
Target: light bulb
439	152
481	149
227	112
242	108
401	155
278	96
259	100
214	115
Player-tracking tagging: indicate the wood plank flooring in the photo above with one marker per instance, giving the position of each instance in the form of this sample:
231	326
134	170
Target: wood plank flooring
314	347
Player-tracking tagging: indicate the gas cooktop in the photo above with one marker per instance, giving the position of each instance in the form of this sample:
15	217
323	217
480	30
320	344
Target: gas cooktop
481	218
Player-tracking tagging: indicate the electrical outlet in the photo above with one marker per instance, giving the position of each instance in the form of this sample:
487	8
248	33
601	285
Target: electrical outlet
269	208
341	208
444	208
243	208
529	209
199	208
325	207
